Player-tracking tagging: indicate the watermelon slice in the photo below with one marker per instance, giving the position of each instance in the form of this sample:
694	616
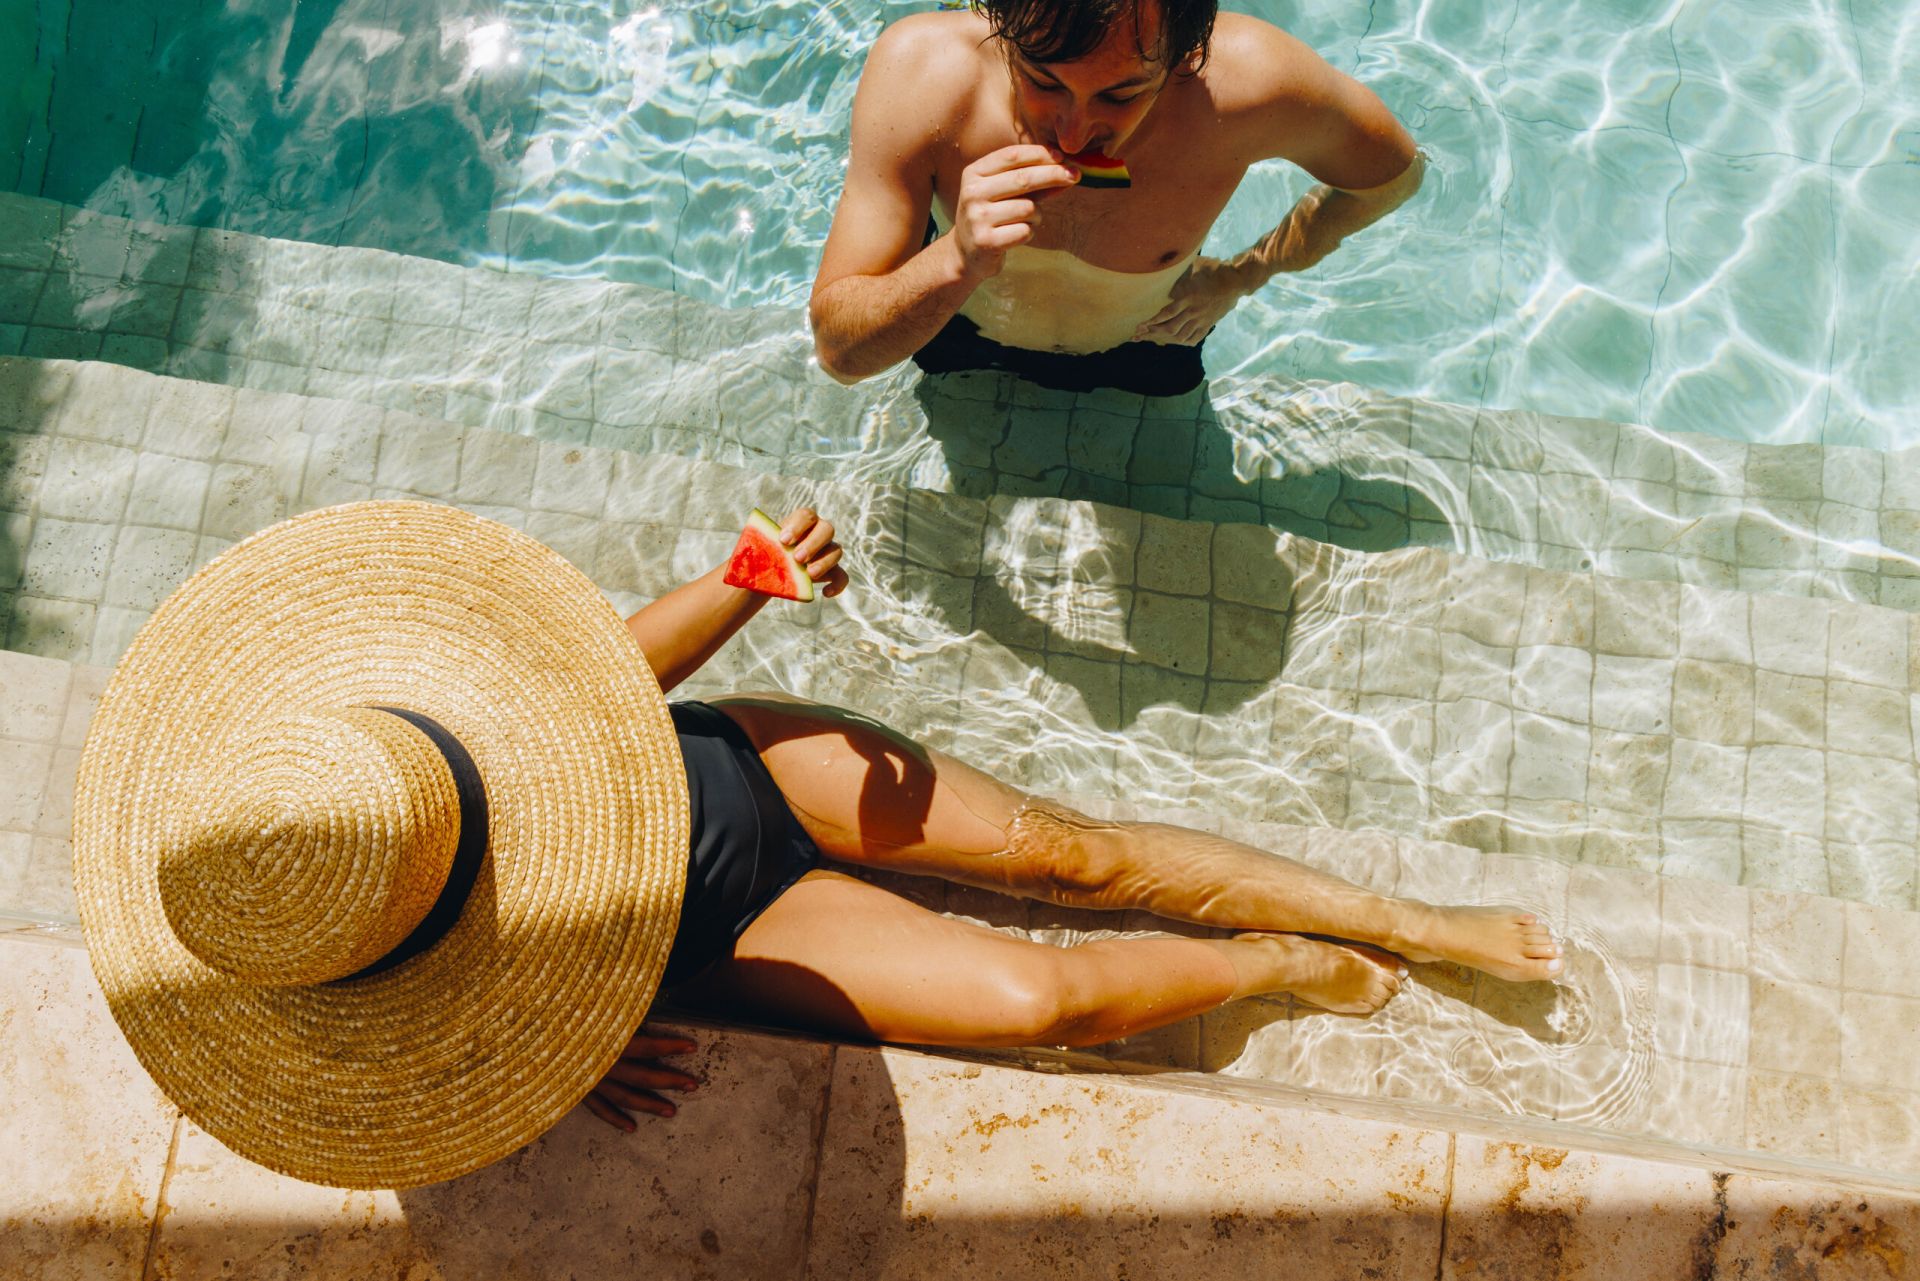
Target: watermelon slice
762	563
1098	170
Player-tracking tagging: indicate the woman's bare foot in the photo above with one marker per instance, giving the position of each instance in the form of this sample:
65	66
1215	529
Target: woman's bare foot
1347	978
1504	941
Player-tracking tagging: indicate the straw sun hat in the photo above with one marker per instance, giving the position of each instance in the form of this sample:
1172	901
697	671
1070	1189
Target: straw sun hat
379	843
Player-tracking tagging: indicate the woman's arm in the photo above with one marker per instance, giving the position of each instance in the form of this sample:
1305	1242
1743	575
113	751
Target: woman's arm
687	626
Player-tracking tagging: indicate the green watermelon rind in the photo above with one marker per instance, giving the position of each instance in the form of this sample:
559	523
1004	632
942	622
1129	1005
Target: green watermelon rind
1100	170
761	526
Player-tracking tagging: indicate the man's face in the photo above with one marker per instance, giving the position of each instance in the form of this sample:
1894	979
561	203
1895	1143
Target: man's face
1095	103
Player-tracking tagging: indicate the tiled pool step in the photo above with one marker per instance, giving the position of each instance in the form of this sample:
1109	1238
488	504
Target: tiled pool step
1761	1026
1087	650
632	368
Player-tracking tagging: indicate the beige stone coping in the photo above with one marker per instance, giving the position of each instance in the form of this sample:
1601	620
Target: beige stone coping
802	1159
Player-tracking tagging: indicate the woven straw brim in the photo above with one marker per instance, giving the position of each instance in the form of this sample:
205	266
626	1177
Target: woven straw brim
457	1056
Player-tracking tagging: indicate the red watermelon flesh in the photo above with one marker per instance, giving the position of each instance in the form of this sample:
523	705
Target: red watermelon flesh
1100	170
762	563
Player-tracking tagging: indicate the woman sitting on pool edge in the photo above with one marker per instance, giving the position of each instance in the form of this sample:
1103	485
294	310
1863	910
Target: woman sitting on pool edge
768	931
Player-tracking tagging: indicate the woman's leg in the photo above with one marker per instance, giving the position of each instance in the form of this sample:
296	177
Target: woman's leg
870	796
838	954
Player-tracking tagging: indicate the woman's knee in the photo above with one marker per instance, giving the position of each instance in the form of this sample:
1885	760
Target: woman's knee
1063	852
1030	1002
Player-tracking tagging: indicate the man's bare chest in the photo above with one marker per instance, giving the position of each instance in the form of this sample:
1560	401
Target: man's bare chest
1158	221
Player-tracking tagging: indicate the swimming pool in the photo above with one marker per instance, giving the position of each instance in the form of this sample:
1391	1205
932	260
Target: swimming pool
1699	218
1661	685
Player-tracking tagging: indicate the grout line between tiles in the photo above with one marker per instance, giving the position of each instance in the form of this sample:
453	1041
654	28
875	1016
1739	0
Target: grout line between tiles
819	1152
160	1199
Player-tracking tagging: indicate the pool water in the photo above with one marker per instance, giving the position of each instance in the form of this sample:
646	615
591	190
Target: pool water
1701	218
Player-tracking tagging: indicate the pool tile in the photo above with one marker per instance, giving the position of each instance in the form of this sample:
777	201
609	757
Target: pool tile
1868	719
1789	635
1713	701
1875	1039
1400	661
147	565
1553	680
33	697
1871	799
1549	758
1796	1028
1636	619
1473	747
1786	787
1882	950
1559	610
1880	1129
1701	1015
68	559
1619	904
1698	1103
187	419
1246	570
1790	709
52	628
1793	1115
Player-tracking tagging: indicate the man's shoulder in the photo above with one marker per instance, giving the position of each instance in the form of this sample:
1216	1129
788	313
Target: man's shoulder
1253	65
929	60
943	46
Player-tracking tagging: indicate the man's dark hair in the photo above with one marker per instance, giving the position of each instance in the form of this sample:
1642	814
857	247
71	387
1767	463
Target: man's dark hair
1068	30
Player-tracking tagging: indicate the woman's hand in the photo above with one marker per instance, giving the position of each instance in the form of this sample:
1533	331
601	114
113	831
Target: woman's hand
812	542
633	1080
1201	297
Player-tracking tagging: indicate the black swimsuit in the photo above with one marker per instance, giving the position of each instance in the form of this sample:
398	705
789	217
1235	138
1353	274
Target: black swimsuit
745	847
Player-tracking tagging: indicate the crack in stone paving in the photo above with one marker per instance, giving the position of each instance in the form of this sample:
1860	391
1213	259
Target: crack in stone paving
1706	1250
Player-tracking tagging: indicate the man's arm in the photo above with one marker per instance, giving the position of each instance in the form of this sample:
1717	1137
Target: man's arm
1342	134
879	297
1339	132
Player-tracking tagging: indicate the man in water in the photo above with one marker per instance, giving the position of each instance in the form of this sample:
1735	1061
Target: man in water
975	118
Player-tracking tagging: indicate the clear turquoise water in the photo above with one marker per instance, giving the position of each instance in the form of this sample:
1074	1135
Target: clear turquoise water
1700	216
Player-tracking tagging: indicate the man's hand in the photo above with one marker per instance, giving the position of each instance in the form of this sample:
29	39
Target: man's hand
812	542
634	1078
998	204
1207	291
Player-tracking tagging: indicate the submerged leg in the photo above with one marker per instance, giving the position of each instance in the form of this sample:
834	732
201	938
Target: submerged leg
870	796
838	954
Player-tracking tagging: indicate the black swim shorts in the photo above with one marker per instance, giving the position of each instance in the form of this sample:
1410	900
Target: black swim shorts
1145	368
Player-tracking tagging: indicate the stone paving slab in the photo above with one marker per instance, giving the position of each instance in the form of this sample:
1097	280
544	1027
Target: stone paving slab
633	368
800	1158
105	1179
84	1132
926	1161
